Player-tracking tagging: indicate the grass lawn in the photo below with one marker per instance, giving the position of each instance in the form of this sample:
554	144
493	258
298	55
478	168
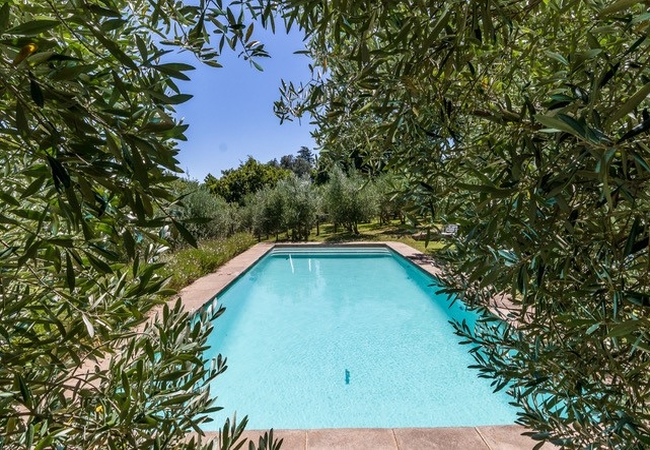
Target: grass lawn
373	231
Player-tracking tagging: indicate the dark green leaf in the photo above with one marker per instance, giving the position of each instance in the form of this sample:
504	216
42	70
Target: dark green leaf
25	392
637	298
630	104
21	119
249	32
129	244
177	99
98	264
617	6
33	27
624	329
185	234
174	70
574	124
609	74
556	124
114	49
36	93
72	72
9	199
59	174
492	190
96	9
632	237
142	48
4	17
637	130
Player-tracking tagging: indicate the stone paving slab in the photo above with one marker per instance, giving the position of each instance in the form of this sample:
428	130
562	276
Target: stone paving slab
439	439
358	439
509	437
461	438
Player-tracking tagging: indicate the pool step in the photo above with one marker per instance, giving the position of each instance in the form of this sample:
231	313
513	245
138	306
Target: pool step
323	251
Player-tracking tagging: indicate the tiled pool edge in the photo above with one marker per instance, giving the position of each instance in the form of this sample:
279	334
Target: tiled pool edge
506	437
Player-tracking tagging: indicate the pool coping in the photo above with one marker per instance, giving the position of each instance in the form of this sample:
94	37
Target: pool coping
501	437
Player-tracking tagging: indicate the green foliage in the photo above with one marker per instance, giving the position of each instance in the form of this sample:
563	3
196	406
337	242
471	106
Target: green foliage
292	205
349	200
526	123
301	206
298	166
392	201
306	155
87	135
268	212
189	264
148	382
301	165
250	177
206	216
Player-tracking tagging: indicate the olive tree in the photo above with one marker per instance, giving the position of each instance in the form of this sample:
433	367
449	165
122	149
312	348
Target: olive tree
392	201
301	206
205	215
267	208
349	200
525	122
87	133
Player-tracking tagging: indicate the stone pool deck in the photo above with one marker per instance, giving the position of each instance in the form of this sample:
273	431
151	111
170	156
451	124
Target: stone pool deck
462	438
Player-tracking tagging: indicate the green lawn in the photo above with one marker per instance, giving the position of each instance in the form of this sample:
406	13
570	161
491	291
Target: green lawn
373	231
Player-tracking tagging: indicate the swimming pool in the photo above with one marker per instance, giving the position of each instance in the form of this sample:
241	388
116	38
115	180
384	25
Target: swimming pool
346	338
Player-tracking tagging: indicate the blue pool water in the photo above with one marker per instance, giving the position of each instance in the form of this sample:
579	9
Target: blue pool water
351	339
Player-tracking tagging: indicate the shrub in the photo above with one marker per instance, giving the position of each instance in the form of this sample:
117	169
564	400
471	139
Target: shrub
205	215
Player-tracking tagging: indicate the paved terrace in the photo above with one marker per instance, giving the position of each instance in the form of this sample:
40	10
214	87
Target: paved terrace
462	438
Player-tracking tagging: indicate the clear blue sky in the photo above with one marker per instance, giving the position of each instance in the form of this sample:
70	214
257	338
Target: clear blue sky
231	114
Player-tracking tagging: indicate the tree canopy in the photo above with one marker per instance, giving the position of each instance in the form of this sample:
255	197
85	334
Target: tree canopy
525	122
250	177
88	133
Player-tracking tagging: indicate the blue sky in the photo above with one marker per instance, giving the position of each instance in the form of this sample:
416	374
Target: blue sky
231	114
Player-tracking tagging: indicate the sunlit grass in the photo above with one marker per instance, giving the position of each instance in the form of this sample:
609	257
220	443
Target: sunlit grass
374	232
